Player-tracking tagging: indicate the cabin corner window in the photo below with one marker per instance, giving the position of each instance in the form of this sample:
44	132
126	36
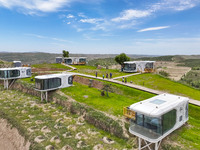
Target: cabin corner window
13	73
28	72
169	120
81	60
130	67
68	61
2	74
45	84
149	65
186	111
70	80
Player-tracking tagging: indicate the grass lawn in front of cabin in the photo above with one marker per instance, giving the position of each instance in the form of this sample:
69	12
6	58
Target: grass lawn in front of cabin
113	104
91	70
157	82
51	66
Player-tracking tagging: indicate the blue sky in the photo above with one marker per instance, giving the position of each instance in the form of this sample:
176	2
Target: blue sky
154	27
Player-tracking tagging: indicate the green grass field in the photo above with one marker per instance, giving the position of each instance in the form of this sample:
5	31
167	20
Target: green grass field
158	82
24	111
52	66
121	96
189	135
91	70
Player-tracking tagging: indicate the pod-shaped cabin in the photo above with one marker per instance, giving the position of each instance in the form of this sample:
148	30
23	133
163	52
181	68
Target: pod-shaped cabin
58	60
15	73
75	60
17	63
53	81
157	117
139	66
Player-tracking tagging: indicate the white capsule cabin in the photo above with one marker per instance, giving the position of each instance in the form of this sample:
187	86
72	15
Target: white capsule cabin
53	81
58	60
139	66
157	117
17	63
15	73
75	60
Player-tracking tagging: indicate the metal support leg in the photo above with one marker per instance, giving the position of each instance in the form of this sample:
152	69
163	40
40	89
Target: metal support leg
46	96
139	140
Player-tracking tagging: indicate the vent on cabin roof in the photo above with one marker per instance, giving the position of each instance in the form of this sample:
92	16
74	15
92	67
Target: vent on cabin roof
157	101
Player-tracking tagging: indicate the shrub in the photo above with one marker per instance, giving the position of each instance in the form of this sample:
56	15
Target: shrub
164	73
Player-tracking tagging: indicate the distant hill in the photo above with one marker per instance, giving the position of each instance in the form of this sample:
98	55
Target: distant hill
38	58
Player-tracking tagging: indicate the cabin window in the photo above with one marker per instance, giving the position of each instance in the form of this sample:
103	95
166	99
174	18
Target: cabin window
129	67
186	111
28	72
180	118
151	123
68	61
2	74
47	83
70	80
169	120
13	73
149	65
82	60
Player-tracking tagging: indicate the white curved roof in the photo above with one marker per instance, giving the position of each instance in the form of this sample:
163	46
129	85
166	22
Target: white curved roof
158	105
16	68
49	76
137	62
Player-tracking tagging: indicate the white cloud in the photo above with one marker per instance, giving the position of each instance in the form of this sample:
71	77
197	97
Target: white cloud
70	16
92	20
35	6
153	28
131	14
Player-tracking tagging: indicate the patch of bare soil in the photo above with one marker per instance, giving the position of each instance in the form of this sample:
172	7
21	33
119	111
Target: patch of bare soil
10	139
175	72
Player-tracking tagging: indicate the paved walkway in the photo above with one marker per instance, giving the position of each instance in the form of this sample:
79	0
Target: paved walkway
133	74
73	68
142	88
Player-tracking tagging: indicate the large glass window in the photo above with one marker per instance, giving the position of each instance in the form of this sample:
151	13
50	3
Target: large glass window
47	83
149	65
68	61
28	72
186	111
129	67
13	73
82	60
151	123
2	74
70	80
168	120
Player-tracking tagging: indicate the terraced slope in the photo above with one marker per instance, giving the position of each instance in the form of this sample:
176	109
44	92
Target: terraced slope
48	126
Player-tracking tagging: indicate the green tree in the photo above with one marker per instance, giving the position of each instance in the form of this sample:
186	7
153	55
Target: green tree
120	59
65	53
107	88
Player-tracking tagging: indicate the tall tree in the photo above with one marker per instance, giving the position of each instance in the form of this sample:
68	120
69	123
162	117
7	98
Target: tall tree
65	53
120	59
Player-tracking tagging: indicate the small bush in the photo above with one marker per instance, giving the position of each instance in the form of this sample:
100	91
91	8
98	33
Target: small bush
164	73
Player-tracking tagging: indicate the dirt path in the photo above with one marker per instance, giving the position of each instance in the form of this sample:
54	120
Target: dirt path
10	139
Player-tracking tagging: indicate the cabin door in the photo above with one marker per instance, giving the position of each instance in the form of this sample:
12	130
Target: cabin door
23	72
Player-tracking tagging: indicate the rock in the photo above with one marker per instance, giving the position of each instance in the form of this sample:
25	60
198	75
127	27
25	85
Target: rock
32	129
39	139
85	96
98	147
69	119
72	127
31	116
67	135
45	129
55	139
39	122
58	126
92	132
81	144
60	120
108	141
67	147
24	111
49	147
81	135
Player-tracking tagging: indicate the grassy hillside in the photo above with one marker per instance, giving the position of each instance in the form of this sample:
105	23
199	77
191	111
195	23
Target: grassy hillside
91	70
51	124
158	82
51	66
120	97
